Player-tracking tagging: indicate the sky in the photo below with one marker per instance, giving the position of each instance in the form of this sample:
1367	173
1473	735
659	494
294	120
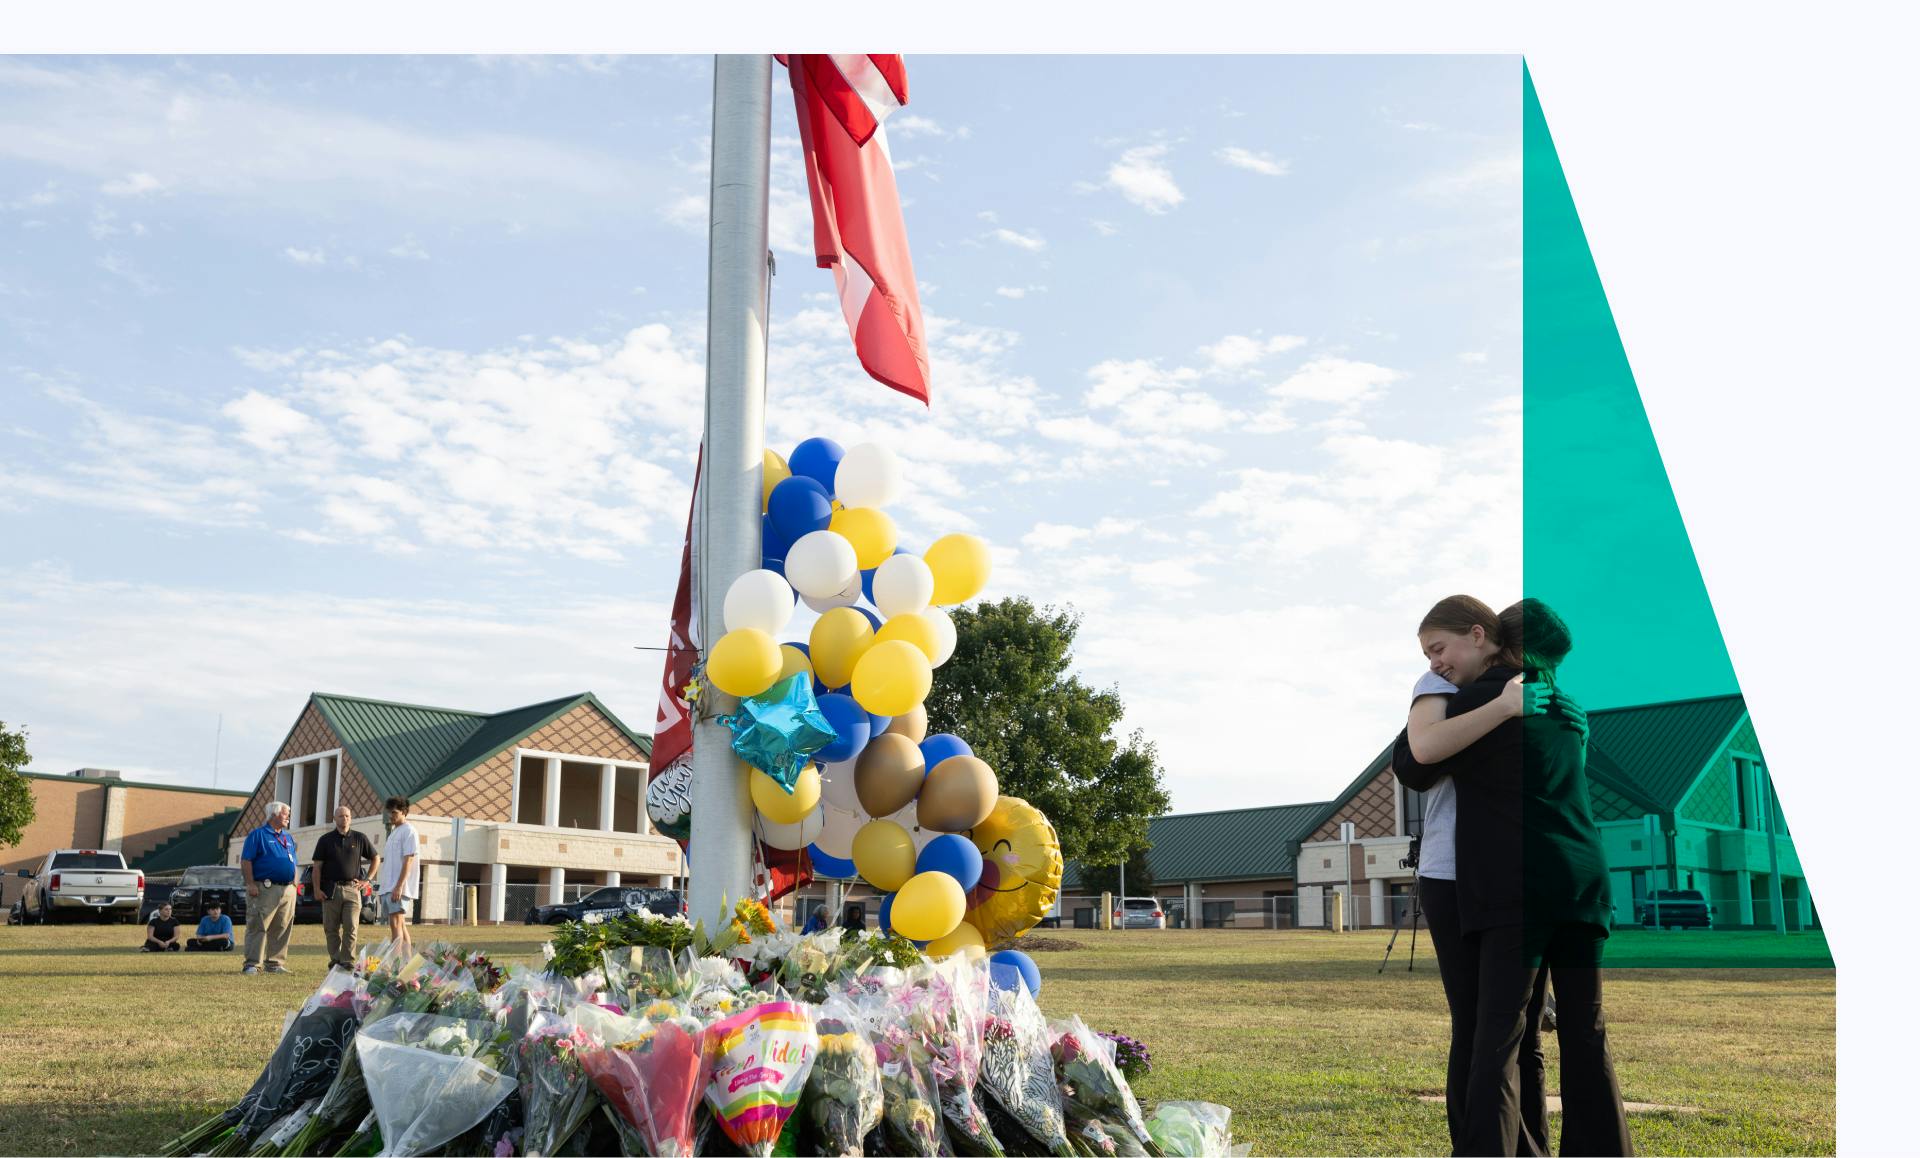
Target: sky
383	376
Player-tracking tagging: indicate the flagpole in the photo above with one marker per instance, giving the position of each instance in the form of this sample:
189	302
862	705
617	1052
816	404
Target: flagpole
728	544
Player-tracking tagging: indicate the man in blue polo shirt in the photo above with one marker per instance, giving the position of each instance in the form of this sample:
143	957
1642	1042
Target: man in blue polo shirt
267	861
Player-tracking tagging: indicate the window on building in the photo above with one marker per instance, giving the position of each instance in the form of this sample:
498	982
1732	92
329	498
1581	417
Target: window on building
1743	806
1413	811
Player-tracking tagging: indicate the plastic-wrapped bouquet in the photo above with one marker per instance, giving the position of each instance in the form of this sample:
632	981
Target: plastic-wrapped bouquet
651	1070
951	1016
555	1091
1192	1129
304	1063
1095	1092
1017	1069
910	1089
759	1059
843	1094
431	1078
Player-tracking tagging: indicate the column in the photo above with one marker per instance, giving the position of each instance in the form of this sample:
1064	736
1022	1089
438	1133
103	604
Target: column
607	774
497	892
556	881
1377	901
323	795
1803	900
513	805
610	877
113	818
646	822
299	793
550	813
1743	886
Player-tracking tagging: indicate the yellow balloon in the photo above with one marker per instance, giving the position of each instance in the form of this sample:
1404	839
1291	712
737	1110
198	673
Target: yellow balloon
892	679
961	565
838	641
783	807
773	468
915	629
1020	872
745	662
928	907
870	530
793	661
964	936
883	853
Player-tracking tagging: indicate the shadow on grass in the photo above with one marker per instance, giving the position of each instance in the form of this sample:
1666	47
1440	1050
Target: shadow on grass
59	1128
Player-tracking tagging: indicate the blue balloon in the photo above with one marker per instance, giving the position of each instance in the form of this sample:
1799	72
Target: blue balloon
817	459
879	724
941	746
886	913
778	567
852	728
954	855
798	506
773	544
802	648
872	617
830	868
1011	965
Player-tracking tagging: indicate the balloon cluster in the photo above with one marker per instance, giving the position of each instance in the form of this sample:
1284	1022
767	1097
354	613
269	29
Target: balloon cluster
903	809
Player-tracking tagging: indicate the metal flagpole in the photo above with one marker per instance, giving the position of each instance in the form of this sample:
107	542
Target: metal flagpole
720	845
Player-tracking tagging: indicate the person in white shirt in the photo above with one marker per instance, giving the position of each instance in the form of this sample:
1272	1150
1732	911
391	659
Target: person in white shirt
399	875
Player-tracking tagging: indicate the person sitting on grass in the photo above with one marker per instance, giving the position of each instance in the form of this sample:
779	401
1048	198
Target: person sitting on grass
215	933
163	932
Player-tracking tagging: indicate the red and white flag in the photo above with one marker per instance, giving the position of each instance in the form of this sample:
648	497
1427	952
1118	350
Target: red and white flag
841	100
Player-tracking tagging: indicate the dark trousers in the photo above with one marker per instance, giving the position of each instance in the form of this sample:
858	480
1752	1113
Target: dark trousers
169	947
196	945
1515	963
1459	957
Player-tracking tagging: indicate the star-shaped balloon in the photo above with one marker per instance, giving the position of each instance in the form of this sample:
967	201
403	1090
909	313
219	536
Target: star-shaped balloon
779	730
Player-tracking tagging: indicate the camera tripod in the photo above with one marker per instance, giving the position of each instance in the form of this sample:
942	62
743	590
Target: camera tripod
1413	925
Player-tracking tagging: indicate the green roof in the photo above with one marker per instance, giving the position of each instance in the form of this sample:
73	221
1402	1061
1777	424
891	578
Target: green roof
1238	844
1657	751
410	750
200	844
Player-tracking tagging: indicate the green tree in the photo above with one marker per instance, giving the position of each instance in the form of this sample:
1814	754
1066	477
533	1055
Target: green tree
16	797
1105	878
1050	738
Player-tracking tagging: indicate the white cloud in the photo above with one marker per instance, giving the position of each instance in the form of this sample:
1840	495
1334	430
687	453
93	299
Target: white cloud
266	423
1141	177
299	256
1237	351
907	126
1104	228
1265	164
132	185
1339	381
1489	178
1017	292
1031	242
411	249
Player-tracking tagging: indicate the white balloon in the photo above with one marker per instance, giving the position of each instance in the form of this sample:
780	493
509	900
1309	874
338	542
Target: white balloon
836	785
758	599
821	565
836	836
869	475
909	819
945	637
797	835
902	586
846	597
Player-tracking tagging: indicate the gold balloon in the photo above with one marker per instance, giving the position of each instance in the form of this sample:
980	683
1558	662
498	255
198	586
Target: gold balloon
960	792
1020	870
888	774
839	640
912	725
780	806
883	854
793	661
964	936
915	629
928	907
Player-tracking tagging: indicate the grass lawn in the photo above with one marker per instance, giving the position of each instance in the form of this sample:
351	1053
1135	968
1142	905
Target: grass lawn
105	1050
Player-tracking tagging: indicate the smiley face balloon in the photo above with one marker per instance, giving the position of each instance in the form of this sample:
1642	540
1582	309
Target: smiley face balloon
1020	871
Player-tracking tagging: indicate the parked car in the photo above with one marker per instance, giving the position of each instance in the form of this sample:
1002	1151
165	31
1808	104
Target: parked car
1676	909
611	901
82	882
16	914
306	904
209	884
1139	913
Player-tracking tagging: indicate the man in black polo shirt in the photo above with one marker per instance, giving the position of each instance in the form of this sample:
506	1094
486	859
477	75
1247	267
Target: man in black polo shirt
341	860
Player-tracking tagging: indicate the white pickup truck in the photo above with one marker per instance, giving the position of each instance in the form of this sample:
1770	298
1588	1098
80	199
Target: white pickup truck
80	881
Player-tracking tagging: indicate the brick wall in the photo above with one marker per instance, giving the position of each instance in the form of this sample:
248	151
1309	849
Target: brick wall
309	736
155	816
68	813
1371	811
486	793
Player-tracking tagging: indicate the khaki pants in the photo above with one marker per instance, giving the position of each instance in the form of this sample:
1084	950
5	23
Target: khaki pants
270	924
340	913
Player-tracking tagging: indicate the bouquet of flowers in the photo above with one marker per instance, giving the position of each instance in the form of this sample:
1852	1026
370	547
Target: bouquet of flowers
1094	1089
1016	1068
641	974
1131	1055
303	1064
555	1090
910	1090
651	1070
843	1093
431	1078
951	1017
1192	1129
759	1059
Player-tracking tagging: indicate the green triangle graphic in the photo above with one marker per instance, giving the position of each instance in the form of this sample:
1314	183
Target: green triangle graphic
1677	779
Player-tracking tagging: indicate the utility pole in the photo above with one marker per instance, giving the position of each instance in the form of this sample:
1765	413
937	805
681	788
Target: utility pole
727	530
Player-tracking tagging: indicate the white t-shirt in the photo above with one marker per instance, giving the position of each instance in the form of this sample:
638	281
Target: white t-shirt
1436	830
401	842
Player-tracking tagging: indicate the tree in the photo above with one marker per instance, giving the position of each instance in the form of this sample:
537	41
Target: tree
1049	737
16	796
1105	878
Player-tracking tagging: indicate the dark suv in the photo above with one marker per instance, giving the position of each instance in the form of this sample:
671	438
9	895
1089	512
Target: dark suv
611	901
209	884
306	904
1676	909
